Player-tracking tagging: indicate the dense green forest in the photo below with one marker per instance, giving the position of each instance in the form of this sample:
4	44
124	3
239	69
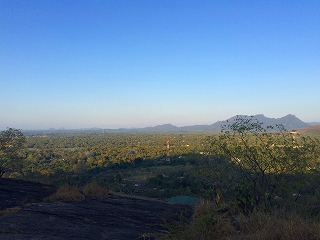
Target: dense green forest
110	158
245	167
158	164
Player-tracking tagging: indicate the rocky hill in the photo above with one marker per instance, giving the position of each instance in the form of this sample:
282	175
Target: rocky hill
118	217
310	130
289	121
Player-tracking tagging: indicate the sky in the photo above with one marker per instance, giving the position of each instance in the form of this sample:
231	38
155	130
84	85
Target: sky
123	63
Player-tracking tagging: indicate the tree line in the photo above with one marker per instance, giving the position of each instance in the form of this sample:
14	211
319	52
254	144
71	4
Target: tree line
247	163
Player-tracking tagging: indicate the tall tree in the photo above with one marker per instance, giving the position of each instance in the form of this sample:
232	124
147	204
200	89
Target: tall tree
11	140
266	157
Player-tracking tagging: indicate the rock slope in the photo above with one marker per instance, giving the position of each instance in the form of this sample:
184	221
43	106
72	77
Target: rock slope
118	217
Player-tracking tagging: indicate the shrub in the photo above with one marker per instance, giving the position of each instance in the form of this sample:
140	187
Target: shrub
272	161
93	189
66	193
208	222
223	222
277	225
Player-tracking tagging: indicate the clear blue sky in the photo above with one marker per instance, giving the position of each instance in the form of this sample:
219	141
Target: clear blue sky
117	63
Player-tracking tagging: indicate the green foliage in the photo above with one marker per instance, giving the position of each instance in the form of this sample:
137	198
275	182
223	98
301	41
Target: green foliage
273	165
265	158
246	167
11	140
223	222
48	154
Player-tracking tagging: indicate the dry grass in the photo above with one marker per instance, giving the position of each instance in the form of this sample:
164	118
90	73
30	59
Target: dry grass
208	222
213	222
72	193
276	225
66	193
93	189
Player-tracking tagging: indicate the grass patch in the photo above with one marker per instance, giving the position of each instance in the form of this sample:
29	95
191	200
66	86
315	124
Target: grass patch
73	193
93	189
223	222
66	193
208	222
277	225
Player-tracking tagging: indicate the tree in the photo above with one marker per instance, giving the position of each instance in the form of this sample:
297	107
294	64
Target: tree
266	156
11	140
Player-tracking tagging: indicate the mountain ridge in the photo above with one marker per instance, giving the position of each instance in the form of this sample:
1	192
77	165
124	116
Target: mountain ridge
290	122
312	129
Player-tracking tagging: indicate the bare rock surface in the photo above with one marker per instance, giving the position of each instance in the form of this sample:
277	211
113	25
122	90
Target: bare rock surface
15	192
118	217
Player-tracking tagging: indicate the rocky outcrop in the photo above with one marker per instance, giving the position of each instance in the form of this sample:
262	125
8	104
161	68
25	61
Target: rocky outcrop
118	217
15	192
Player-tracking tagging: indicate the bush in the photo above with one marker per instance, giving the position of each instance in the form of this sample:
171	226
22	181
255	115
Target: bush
66	193
208	222
223	222
93	189
277	225
266	157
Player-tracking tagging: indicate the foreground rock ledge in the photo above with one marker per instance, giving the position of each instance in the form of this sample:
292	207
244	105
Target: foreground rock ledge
15	192
118	217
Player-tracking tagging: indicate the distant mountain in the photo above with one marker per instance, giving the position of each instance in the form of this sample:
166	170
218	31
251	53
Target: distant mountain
315	129
290	122
313	123
165	127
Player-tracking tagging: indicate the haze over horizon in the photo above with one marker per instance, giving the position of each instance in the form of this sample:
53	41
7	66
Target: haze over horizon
168	123
114	64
